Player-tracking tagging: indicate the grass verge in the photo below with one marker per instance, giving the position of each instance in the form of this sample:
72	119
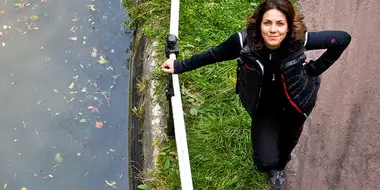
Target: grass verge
218	128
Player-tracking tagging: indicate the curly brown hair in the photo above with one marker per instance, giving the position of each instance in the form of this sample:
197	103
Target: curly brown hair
297	28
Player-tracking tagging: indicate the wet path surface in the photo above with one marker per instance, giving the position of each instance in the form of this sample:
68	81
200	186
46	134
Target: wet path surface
64	98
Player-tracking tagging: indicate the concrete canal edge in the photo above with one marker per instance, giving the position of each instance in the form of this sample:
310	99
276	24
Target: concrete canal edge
146	116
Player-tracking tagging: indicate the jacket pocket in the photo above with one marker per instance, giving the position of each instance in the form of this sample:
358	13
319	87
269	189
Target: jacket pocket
248	86
301	90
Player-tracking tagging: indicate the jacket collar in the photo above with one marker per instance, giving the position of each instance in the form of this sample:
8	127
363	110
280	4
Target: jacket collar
285	53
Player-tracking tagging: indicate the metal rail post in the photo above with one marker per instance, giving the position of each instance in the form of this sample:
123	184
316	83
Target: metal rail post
176	102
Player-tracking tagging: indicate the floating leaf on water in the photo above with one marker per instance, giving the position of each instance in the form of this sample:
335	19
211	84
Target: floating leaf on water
58	158
5	185
33	17
102	60
94	52
93	109
92	7
20	5
71	85
112	183
99	124
73	38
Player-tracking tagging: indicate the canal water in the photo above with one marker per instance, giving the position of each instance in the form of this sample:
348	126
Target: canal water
64	84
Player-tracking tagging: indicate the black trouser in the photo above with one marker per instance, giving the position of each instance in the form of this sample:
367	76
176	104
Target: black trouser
274	135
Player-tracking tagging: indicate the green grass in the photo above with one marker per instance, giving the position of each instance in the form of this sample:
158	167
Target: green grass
218	128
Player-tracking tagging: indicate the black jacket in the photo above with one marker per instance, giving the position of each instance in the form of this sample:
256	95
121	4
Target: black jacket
263	79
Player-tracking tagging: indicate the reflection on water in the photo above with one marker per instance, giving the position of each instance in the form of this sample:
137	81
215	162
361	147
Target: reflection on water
64	99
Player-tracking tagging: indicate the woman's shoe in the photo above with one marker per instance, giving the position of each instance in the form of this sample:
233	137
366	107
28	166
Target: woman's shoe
276	180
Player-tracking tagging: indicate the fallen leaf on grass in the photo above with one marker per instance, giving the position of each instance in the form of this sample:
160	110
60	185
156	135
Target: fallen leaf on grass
99	124
142	186
58	158
102	60
193	111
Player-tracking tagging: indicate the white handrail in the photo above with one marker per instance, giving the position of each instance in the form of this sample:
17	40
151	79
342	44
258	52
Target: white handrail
179	122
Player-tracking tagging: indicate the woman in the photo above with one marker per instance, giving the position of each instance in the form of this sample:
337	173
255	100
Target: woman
275	84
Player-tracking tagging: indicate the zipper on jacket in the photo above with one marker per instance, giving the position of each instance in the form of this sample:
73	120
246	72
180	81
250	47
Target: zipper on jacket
270	58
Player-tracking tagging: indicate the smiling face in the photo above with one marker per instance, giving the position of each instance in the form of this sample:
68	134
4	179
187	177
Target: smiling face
274	28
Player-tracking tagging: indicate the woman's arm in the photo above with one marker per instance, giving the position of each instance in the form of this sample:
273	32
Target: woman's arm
227	50
335	41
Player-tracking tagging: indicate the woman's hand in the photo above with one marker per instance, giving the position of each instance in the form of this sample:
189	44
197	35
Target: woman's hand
168	66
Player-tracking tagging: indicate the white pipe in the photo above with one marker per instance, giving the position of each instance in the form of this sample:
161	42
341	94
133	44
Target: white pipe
174	17
179	122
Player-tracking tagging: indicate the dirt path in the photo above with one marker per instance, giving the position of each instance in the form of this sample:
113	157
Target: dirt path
340	146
